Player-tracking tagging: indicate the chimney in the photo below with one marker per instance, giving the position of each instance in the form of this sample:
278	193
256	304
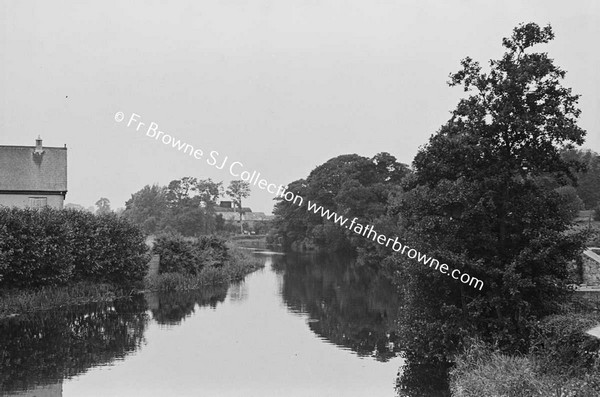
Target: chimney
38	146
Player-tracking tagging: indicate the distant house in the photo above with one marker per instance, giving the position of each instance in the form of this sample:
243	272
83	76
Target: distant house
227	210
33	176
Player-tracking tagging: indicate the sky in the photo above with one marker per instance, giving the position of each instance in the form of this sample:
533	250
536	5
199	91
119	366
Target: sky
279	86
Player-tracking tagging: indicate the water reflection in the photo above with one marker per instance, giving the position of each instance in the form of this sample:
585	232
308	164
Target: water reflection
45	348
350	305
192	342
171	308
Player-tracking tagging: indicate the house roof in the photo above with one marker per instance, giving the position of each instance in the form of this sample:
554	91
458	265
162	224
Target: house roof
226	209
23	169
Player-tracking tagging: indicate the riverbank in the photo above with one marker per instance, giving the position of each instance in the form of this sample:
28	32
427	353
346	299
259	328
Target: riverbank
564	360
16	302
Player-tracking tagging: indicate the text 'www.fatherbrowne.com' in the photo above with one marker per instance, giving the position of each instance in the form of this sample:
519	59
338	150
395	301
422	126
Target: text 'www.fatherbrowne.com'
236	169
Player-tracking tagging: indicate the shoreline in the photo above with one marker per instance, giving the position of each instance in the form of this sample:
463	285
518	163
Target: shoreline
15	303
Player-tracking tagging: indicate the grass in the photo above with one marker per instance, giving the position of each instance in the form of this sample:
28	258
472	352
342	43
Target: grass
240	264
480	371
16	302
562	361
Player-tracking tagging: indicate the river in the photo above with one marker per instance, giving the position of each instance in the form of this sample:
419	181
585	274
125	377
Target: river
305	325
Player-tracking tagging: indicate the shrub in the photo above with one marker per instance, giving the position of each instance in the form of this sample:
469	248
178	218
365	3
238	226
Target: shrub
562	346
50	247
237	265
180	254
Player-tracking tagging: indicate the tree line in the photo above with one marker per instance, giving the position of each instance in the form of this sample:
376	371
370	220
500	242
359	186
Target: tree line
185	205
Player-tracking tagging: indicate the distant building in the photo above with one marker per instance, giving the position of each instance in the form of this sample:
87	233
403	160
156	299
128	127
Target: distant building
227	210
33	176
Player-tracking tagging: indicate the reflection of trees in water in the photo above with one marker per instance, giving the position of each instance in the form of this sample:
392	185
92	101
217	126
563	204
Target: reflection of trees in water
350	305
170	308
44	348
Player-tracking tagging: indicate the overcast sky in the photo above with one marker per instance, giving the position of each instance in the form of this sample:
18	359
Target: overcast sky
280	86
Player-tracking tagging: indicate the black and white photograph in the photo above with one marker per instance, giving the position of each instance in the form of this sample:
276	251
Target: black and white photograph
299	198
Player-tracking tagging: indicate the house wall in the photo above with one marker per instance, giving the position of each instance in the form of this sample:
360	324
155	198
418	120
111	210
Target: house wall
591	268
22	200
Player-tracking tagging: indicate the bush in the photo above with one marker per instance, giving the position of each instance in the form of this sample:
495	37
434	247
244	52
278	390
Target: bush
184	255
237	265
561	345
50	247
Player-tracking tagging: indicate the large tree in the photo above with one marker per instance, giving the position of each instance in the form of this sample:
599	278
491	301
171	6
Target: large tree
477	201
351	185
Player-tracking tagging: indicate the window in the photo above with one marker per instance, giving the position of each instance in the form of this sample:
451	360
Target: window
38	202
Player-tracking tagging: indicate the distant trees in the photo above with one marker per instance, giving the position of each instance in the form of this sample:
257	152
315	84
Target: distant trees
103	206
186	205
587	174
239	190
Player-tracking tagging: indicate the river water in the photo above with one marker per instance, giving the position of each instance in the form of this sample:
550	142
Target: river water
302	326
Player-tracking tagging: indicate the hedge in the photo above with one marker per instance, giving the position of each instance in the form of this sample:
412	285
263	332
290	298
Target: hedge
49	247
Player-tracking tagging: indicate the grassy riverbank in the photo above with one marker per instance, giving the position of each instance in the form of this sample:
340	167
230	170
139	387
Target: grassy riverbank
15	302
216	269
563	361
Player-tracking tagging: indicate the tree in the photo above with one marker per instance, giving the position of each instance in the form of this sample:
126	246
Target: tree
147	208
477	201
208	193
238	190
351	185
587	172
179	191
103	206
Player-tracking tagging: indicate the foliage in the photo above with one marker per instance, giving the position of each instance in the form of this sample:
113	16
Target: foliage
222	264
482	371
587	174
479	200
50	247
183	255
238	190
103	206
571	203
186	206
562	347
351	185
147	208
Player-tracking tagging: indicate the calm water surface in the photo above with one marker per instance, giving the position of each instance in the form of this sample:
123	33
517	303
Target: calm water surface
302	326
